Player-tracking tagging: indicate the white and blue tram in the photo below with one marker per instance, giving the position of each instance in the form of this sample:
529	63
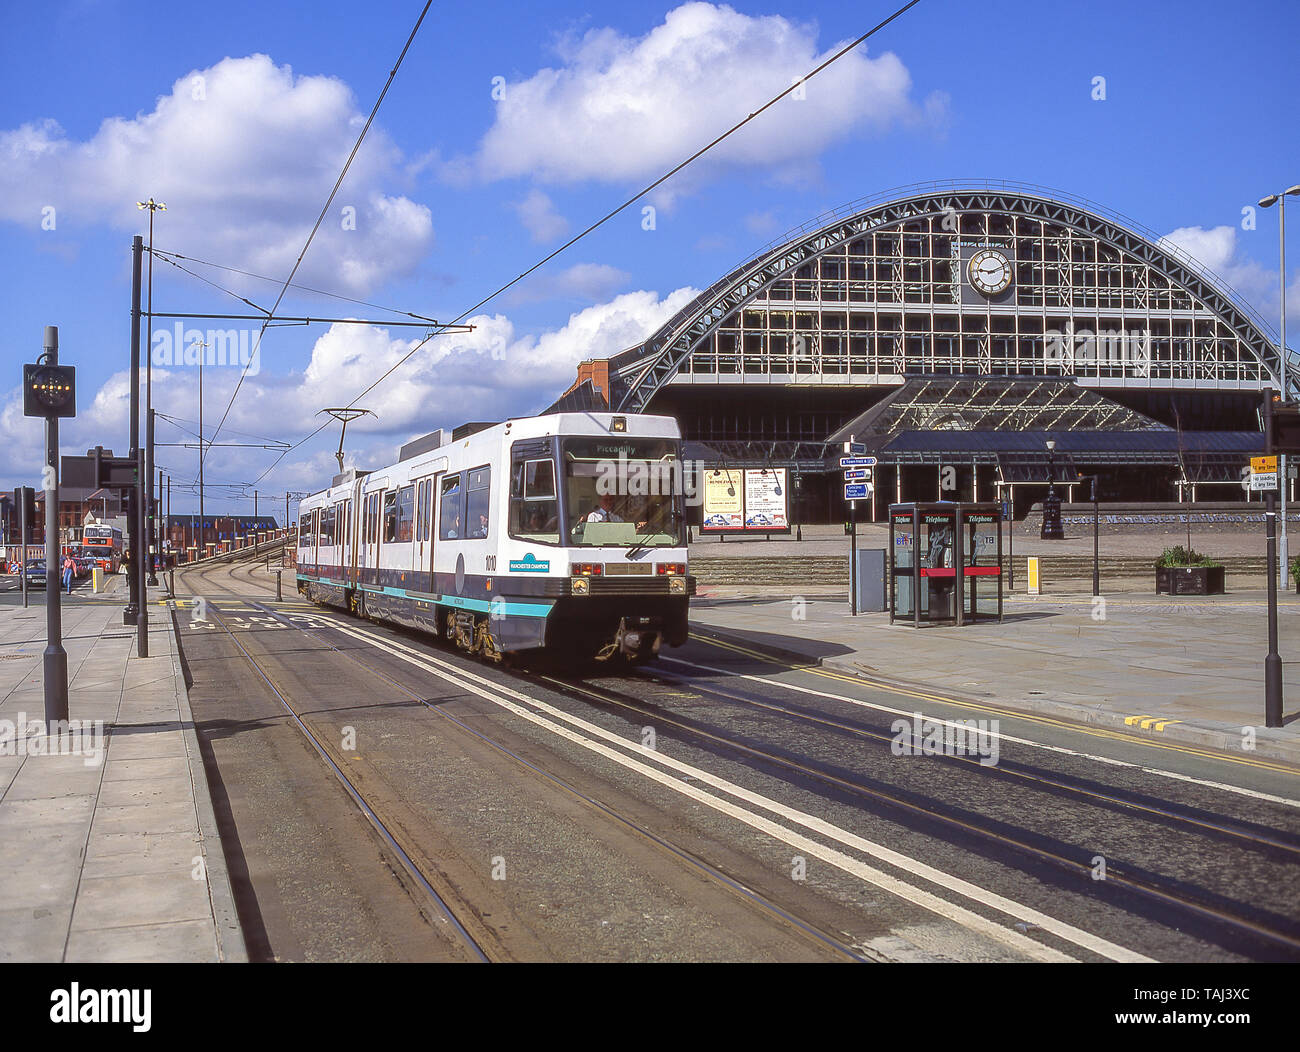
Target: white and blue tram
563	532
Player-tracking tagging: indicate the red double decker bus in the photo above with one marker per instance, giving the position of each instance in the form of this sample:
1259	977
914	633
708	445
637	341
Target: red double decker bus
104	545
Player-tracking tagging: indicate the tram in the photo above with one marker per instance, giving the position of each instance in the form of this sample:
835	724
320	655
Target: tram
561	533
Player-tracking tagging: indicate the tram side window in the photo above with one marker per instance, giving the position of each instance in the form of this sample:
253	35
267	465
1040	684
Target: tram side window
477	518
326	526
405	513
451	517
390	516
372	518
534	513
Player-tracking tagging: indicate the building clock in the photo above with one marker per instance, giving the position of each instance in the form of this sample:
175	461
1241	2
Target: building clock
989	271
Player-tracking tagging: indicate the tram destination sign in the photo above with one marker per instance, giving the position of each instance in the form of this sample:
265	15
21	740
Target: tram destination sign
857	462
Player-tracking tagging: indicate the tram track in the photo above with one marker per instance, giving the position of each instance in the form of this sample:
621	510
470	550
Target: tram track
408	863
670	850
1115	872
1199	906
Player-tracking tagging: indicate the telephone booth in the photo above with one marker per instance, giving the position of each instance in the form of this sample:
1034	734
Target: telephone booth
945	563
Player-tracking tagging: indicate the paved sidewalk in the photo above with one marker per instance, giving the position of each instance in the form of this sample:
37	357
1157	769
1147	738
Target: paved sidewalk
111	854
1182	669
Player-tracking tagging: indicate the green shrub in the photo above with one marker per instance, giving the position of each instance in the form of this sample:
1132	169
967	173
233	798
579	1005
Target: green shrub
1180	556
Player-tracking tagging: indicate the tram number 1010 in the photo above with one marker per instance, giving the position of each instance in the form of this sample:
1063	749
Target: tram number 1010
491	562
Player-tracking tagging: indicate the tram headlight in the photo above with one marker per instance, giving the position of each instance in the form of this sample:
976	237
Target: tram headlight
581	586
677	586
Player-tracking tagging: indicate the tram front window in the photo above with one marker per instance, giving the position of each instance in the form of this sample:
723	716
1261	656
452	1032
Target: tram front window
622	491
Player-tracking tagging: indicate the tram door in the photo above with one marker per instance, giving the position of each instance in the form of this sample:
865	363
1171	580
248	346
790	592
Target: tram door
370	540
354	533
424	534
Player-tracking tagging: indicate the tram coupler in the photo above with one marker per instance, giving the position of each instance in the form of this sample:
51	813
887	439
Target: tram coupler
633	643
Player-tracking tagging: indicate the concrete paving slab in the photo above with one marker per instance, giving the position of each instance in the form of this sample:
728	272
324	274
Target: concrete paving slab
140	899
148	741
153	767
34	933
39	881
185	942
40	781
126	854
133	791
41	812
172	816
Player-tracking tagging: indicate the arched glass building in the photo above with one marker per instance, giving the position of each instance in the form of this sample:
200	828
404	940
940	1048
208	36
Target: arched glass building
963	327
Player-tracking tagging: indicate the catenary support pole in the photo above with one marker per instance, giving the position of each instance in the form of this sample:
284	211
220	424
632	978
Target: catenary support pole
134	540
1273	662
56	658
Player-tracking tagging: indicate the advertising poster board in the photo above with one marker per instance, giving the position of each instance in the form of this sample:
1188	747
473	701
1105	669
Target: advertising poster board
724	497
766	496
745	500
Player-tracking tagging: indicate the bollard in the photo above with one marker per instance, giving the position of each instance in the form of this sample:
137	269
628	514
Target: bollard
279	592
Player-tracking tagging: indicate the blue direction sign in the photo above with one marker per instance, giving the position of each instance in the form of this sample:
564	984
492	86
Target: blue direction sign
855	447
857	490
857	474
857	462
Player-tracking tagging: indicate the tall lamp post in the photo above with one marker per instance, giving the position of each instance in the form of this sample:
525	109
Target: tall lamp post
151	206
1052	529
1268	202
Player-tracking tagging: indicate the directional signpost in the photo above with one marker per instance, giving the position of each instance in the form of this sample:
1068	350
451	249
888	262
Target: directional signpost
857	486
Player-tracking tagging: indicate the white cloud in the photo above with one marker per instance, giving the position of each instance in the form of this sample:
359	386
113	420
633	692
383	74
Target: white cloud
541	220
487	374
622	108
1218	250
244	154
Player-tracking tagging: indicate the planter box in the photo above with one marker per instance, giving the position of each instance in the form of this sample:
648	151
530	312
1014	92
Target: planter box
1190	580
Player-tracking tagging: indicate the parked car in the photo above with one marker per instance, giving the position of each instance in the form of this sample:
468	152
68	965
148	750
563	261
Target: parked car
35	573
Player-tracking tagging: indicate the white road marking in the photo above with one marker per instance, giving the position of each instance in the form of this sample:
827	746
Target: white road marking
1254	794
916	896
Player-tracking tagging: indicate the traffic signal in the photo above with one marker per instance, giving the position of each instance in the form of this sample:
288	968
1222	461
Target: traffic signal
1286	427
25	508
49	390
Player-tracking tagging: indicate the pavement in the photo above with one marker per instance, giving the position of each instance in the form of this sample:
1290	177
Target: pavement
108	844
1173	669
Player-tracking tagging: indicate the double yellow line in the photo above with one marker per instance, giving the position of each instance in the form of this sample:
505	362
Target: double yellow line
1047	721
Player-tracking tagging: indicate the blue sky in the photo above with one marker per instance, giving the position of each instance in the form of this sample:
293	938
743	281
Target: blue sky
508	129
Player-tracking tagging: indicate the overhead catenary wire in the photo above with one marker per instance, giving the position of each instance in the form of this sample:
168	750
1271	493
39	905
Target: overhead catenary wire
608	216
392	74
263	277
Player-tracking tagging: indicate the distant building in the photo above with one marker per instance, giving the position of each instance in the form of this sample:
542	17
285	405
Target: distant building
955	331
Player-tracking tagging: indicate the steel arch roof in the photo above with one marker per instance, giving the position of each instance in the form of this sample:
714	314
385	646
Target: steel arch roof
637	374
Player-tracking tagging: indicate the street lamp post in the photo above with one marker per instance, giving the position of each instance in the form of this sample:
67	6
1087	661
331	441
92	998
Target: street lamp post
1052	529
151	206
1268	202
